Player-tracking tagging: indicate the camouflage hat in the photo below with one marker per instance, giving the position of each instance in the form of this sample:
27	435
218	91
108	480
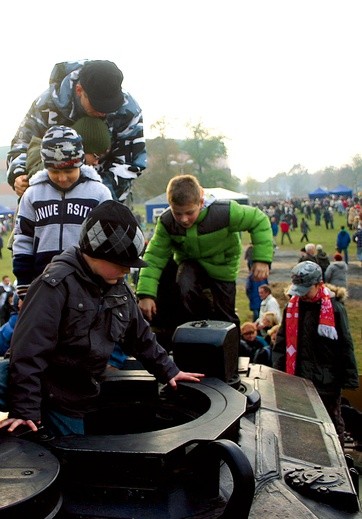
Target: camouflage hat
304	275
62	148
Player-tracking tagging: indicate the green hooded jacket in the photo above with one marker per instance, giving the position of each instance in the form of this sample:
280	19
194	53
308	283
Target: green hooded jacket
214	241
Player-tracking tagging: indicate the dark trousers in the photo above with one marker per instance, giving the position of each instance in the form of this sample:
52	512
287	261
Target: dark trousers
345	253
187	293
286	234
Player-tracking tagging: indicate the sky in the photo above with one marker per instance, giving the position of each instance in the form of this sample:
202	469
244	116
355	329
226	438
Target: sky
280	80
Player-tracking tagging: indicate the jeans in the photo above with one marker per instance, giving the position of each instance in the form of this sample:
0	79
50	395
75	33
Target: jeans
345	253
118	358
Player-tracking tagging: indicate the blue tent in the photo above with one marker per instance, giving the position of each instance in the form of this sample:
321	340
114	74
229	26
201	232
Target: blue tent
342	190
318	193
155	207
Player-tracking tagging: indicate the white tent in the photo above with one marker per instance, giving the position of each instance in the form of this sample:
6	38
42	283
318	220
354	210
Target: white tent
225	194
156	205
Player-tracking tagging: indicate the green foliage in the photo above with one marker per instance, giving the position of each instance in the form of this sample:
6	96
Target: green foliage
204	149
202	155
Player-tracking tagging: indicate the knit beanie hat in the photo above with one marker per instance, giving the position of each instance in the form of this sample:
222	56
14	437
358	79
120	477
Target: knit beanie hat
61	148
102	80
111	232
95	134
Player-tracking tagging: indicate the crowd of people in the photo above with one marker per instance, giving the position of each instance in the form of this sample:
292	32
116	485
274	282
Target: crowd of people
72	163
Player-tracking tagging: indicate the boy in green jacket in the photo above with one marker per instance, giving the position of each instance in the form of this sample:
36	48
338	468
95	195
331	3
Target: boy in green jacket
194	257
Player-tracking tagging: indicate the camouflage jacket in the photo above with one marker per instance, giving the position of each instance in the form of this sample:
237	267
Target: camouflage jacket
60	105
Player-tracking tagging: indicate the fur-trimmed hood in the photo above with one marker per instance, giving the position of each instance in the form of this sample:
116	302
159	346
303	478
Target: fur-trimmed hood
340	293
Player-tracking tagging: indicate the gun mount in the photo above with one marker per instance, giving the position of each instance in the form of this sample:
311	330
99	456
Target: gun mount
238	445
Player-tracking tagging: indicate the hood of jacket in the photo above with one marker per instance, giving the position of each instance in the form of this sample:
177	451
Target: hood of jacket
69	261
340	293
322	255
85	171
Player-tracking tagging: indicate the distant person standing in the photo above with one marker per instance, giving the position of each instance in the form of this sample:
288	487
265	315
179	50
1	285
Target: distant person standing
343	241
322	258
336	273
357	238
252	291
275	230
327	218
284	229
304	228
317	215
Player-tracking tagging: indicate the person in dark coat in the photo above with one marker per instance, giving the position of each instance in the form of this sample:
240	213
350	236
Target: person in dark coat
304	228
69	322
322	258
76	89
314	341
253	345
357	238
308	253
343	241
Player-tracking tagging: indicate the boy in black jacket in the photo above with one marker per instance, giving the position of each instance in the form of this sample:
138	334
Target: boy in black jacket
71	318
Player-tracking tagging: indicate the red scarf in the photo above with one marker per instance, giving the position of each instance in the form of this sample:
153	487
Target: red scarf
326	326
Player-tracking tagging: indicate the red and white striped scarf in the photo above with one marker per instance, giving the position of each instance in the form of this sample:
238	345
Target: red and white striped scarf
326	326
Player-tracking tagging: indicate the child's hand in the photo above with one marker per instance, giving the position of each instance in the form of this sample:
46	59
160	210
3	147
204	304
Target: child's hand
13	423
148	307
260	271
186	377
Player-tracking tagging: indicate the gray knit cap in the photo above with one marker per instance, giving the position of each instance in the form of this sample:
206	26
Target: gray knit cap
111	232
